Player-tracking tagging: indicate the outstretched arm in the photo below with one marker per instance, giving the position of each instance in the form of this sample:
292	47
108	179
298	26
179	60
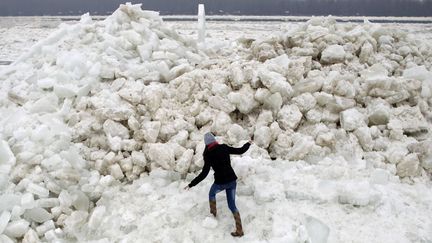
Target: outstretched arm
241	150
204	172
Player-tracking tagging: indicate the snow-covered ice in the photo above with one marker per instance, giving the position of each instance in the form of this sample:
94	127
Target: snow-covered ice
102	125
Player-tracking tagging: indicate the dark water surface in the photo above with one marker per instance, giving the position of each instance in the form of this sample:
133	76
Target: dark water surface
223	7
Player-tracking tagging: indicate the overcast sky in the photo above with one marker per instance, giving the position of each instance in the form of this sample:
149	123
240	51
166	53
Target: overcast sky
243	7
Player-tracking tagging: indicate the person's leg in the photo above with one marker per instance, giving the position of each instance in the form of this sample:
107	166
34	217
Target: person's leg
214	189
230	191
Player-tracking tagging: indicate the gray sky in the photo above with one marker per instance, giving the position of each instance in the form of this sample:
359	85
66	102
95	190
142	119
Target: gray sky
243	7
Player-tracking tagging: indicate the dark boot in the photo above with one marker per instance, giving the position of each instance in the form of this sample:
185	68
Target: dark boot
238	223
213	207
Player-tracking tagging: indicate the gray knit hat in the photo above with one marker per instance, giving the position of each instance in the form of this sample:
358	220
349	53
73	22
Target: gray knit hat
209	138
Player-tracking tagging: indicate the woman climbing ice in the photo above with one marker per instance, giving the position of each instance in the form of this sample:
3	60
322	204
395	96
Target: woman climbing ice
217	156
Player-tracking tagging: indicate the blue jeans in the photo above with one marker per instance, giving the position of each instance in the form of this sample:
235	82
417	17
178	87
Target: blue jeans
230	189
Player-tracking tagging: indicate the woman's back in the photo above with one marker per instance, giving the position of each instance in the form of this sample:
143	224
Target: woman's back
219	159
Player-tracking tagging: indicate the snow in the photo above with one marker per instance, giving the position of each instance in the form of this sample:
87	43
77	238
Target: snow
380	176
102	125
210	223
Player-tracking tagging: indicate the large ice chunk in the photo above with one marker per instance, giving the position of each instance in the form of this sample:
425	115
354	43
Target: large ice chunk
38	190
352	119
308	85
115	129
17	228
8	201
96	217
422	74
396	152
161	154
265	118
38	215
116	171
422	149
139	158
273	102
305	102
408	166
76	219
289	117
48	202
237	76
236	133
366	53
262	94
318	231
48	103
243	100
43	228
80	200
282	146
31	236
7	158
65	198
6	239
375	74
333	54
4	220
409	119
379	112
27	201
418	73
151	131
262	136
365	138
275	82
183	163
302	146
222	104
221	123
